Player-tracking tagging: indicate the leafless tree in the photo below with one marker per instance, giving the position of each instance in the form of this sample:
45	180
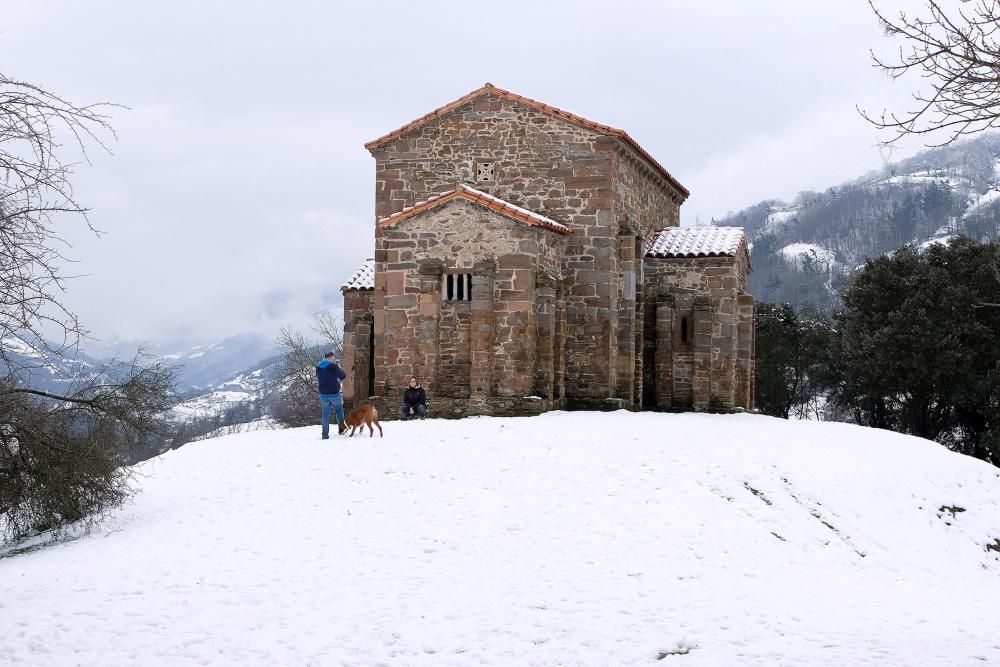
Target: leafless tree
956	53
330	330
295	388
63	455
36	196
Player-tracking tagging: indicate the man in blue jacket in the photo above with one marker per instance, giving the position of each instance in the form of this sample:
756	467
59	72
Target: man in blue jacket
329	374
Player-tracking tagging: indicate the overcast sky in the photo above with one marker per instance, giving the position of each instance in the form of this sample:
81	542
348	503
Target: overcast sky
240	196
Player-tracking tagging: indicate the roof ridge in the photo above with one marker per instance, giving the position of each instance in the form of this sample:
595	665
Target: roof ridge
489	88
478	197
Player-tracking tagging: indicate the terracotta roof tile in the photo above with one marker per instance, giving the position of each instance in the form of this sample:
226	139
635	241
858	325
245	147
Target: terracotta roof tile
483	199
541	106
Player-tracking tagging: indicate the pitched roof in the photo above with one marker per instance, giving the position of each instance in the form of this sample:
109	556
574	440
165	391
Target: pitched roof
489	88
363	277
695	242
478	197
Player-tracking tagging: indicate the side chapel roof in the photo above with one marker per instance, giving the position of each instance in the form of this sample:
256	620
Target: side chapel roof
696	242
363	277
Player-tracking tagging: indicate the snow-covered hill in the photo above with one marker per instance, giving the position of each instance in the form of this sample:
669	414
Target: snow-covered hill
207	366
48	367
241	388
570	538
804	250
201	369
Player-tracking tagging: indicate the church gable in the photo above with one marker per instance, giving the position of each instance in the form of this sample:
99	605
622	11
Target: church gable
458	234
516	270
481	98
489	98
482	199
524	156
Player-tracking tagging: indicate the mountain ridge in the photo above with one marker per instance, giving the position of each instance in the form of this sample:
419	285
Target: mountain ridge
804	250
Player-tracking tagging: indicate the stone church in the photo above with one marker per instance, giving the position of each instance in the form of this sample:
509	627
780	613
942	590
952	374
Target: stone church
528	259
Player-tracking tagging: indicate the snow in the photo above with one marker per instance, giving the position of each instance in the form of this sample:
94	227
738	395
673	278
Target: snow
797	253
695	242
363	277
241	388
949	227
982	201
940	240
780	218
212	403
20	347
922	178
570	538
263	424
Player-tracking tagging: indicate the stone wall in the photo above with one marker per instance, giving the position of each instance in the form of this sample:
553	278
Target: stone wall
585	180
578	321
358	330
454	340
745	352
702	328
541	162
642	201
483	355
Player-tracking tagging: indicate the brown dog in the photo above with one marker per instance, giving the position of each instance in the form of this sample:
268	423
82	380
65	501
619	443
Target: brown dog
365	415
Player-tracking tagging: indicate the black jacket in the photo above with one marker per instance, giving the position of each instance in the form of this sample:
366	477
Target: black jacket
415	396
329	375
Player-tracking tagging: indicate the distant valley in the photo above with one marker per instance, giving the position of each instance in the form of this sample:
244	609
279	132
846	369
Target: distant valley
210	376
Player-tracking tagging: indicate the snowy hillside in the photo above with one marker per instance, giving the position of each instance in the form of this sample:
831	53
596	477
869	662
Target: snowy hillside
207	366
48	367
241	388
582	539
804	250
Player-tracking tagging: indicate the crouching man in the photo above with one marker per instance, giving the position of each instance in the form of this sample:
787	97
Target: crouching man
414	401
329	374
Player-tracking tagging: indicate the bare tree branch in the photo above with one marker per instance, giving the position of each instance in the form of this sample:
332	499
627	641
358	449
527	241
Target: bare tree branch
35	196
295	385
956	55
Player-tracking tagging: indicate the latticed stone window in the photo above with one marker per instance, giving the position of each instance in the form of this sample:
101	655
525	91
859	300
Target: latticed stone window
456	287
485	172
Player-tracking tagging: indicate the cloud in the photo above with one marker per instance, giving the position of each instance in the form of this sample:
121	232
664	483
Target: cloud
240	195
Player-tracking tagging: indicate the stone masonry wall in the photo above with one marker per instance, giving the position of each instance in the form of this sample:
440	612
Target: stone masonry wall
642	201
357	345
467	353
558	169
711	369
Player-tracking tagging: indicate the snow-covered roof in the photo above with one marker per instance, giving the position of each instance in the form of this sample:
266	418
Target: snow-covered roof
363	278
478	197
696	242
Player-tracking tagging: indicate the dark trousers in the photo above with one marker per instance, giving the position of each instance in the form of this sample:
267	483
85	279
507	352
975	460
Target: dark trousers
331	403
419	410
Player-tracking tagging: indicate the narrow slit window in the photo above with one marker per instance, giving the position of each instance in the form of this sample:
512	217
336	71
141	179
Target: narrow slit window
684	329
457	287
